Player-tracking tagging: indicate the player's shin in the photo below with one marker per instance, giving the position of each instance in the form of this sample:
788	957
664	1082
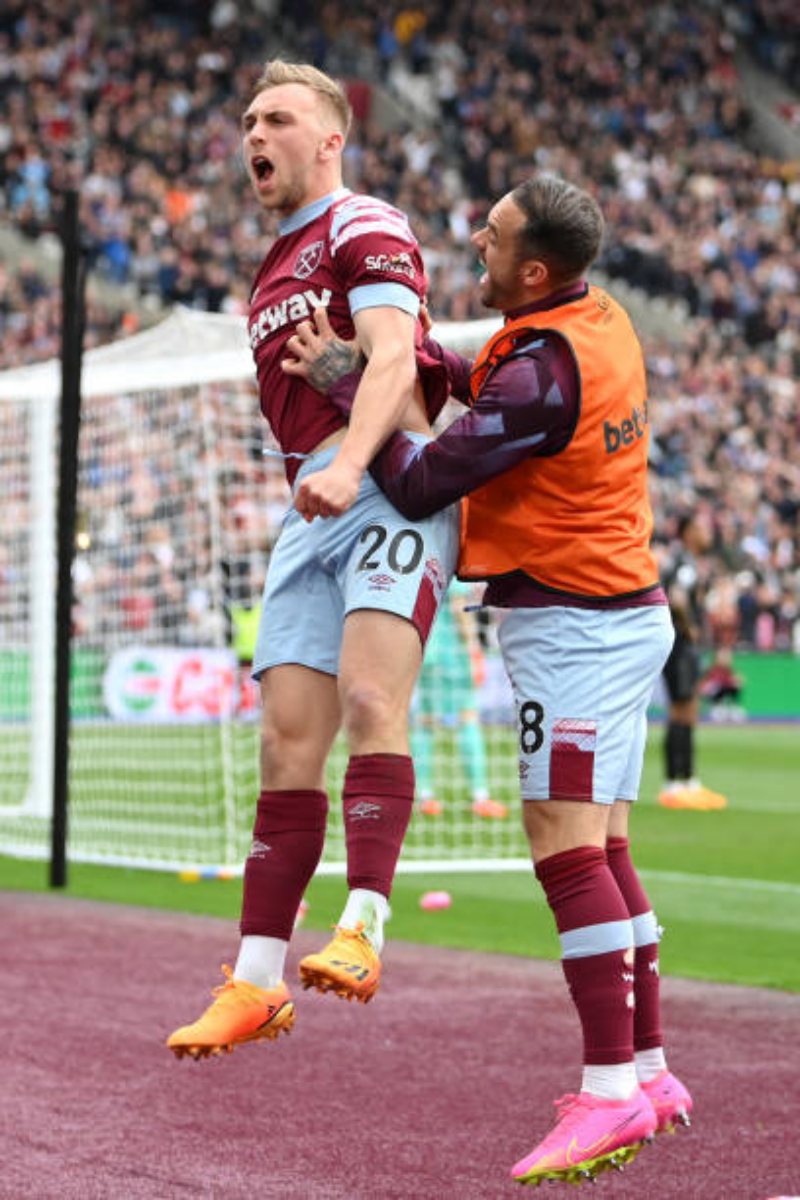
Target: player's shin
288	837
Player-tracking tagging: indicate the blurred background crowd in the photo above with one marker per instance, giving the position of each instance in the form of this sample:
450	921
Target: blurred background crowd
138	103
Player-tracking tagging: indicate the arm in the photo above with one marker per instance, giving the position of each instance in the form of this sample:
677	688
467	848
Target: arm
458	368
386	336
528	406
326	361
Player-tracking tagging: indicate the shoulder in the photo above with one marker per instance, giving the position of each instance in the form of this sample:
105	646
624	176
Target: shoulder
358	215
535	349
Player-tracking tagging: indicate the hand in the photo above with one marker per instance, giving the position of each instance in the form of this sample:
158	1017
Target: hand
318	355
329	492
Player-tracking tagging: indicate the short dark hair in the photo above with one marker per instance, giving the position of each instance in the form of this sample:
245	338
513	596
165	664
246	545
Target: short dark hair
563	225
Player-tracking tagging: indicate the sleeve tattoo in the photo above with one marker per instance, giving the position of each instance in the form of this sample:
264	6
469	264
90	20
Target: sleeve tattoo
336	360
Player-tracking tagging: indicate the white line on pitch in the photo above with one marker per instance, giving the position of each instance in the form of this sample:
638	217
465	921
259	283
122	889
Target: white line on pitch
726	881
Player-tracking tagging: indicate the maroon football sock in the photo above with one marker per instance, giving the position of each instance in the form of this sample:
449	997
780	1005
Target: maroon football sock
377	800
618	854
647	1034
288	837
596	940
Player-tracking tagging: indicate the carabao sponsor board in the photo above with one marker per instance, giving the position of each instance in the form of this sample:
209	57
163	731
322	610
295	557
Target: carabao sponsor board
163	683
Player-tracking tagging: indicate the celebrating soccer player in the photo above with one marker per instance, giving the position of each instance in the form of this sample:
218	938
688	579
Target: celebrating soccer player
347	605
556	444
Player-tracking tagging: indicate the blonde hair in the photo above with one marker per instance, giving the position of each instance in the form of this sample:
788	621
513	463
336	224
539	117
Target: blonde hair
277	72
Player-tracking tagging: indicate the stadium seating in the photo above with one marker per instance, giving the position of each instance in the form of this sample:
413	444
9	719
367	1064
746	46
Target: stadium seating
638	103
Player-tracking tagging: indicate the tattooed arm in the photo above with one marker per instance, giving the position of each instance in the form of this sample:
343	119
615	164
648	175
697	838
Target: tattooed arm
319	355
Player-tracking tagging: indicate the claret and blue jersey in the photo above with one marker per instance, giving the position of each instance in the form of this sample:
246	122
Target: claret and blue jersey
345	252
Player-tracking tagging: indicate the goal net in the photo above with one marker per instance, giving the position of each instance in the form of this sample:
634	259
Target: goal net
179	504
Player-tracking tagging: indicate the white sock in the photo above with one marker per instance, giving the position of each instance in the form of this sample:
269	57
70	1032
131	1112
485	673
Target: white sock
649	1063
616	1081
261	960
372	909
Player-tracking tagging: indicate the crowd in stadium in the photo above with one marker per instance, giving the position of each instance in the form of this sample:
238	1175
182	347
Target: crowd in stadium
140	104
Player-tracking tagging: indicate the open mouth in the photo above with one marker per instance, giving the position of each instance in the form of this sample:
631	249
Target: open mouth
262	168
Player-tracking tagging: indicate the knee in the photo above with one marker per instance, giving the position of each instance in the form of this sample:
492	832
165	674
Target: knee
274	739
367	709
288	751
553	826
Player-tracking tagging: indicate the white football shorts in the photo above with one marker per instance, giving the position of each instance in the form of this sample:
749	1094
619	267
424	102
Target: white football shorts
582	680
369	558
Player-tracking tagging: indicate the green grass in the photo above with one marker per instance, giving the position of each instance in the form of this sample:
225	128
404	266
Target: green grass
726	885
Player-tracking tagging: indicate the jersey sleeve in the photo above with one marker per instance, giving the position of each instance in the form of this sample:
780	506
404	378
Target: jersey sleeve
376	256
526	408
457	367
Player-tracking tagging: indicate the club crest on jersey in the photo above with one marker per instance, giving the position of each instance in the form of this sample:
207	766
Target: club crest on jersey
308	260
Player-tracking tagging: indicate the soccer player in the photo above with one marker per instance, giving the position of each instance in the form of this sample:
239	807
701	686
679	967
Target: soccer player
347	606
447	693
554	455
682	788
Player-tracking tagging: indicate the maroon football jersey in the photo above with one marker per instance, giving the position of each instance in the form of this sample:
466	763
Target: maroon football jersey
343	253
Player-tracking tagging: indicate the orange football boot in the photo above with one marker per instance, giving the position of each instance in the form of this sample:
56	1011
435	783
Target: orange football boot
491	810
241	1013
348	966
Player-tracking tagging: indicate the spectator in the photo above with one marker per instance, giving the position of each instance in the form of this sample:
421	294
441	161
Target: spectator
721	686
447	693
638	103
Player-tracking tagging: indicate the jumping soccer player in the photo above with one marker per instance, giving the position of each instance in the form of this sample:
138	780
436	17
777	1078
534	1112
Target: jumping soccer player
554	454
347	606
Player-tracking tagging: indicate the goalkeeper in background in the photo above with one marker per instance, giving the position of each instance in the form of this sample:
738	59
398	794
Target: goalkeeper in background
447	695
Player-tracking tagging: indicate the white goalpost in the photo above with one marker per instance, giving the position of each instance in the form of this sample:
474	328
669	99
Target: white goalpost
178	506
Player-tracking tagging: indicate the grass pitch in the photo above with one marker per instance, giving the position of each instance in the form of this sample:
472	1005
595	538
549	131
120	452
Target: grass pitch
725	885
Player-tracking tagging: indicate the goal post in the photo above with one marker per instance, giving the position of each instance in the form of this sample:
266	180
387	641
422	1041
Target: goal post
38	799
27	605
179	502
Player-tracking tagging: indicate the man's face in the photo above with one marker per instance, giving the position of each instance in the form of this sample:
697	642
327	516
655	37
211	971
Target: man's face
502	285
700	533
286	139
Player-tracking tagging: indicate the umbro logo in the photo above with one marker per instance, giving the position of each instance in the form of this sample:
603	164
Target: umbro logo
259	849
364	811
381	583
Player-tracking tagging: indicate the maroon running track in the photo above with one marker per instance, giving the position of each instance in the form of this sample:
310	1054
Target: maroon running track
430	1092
